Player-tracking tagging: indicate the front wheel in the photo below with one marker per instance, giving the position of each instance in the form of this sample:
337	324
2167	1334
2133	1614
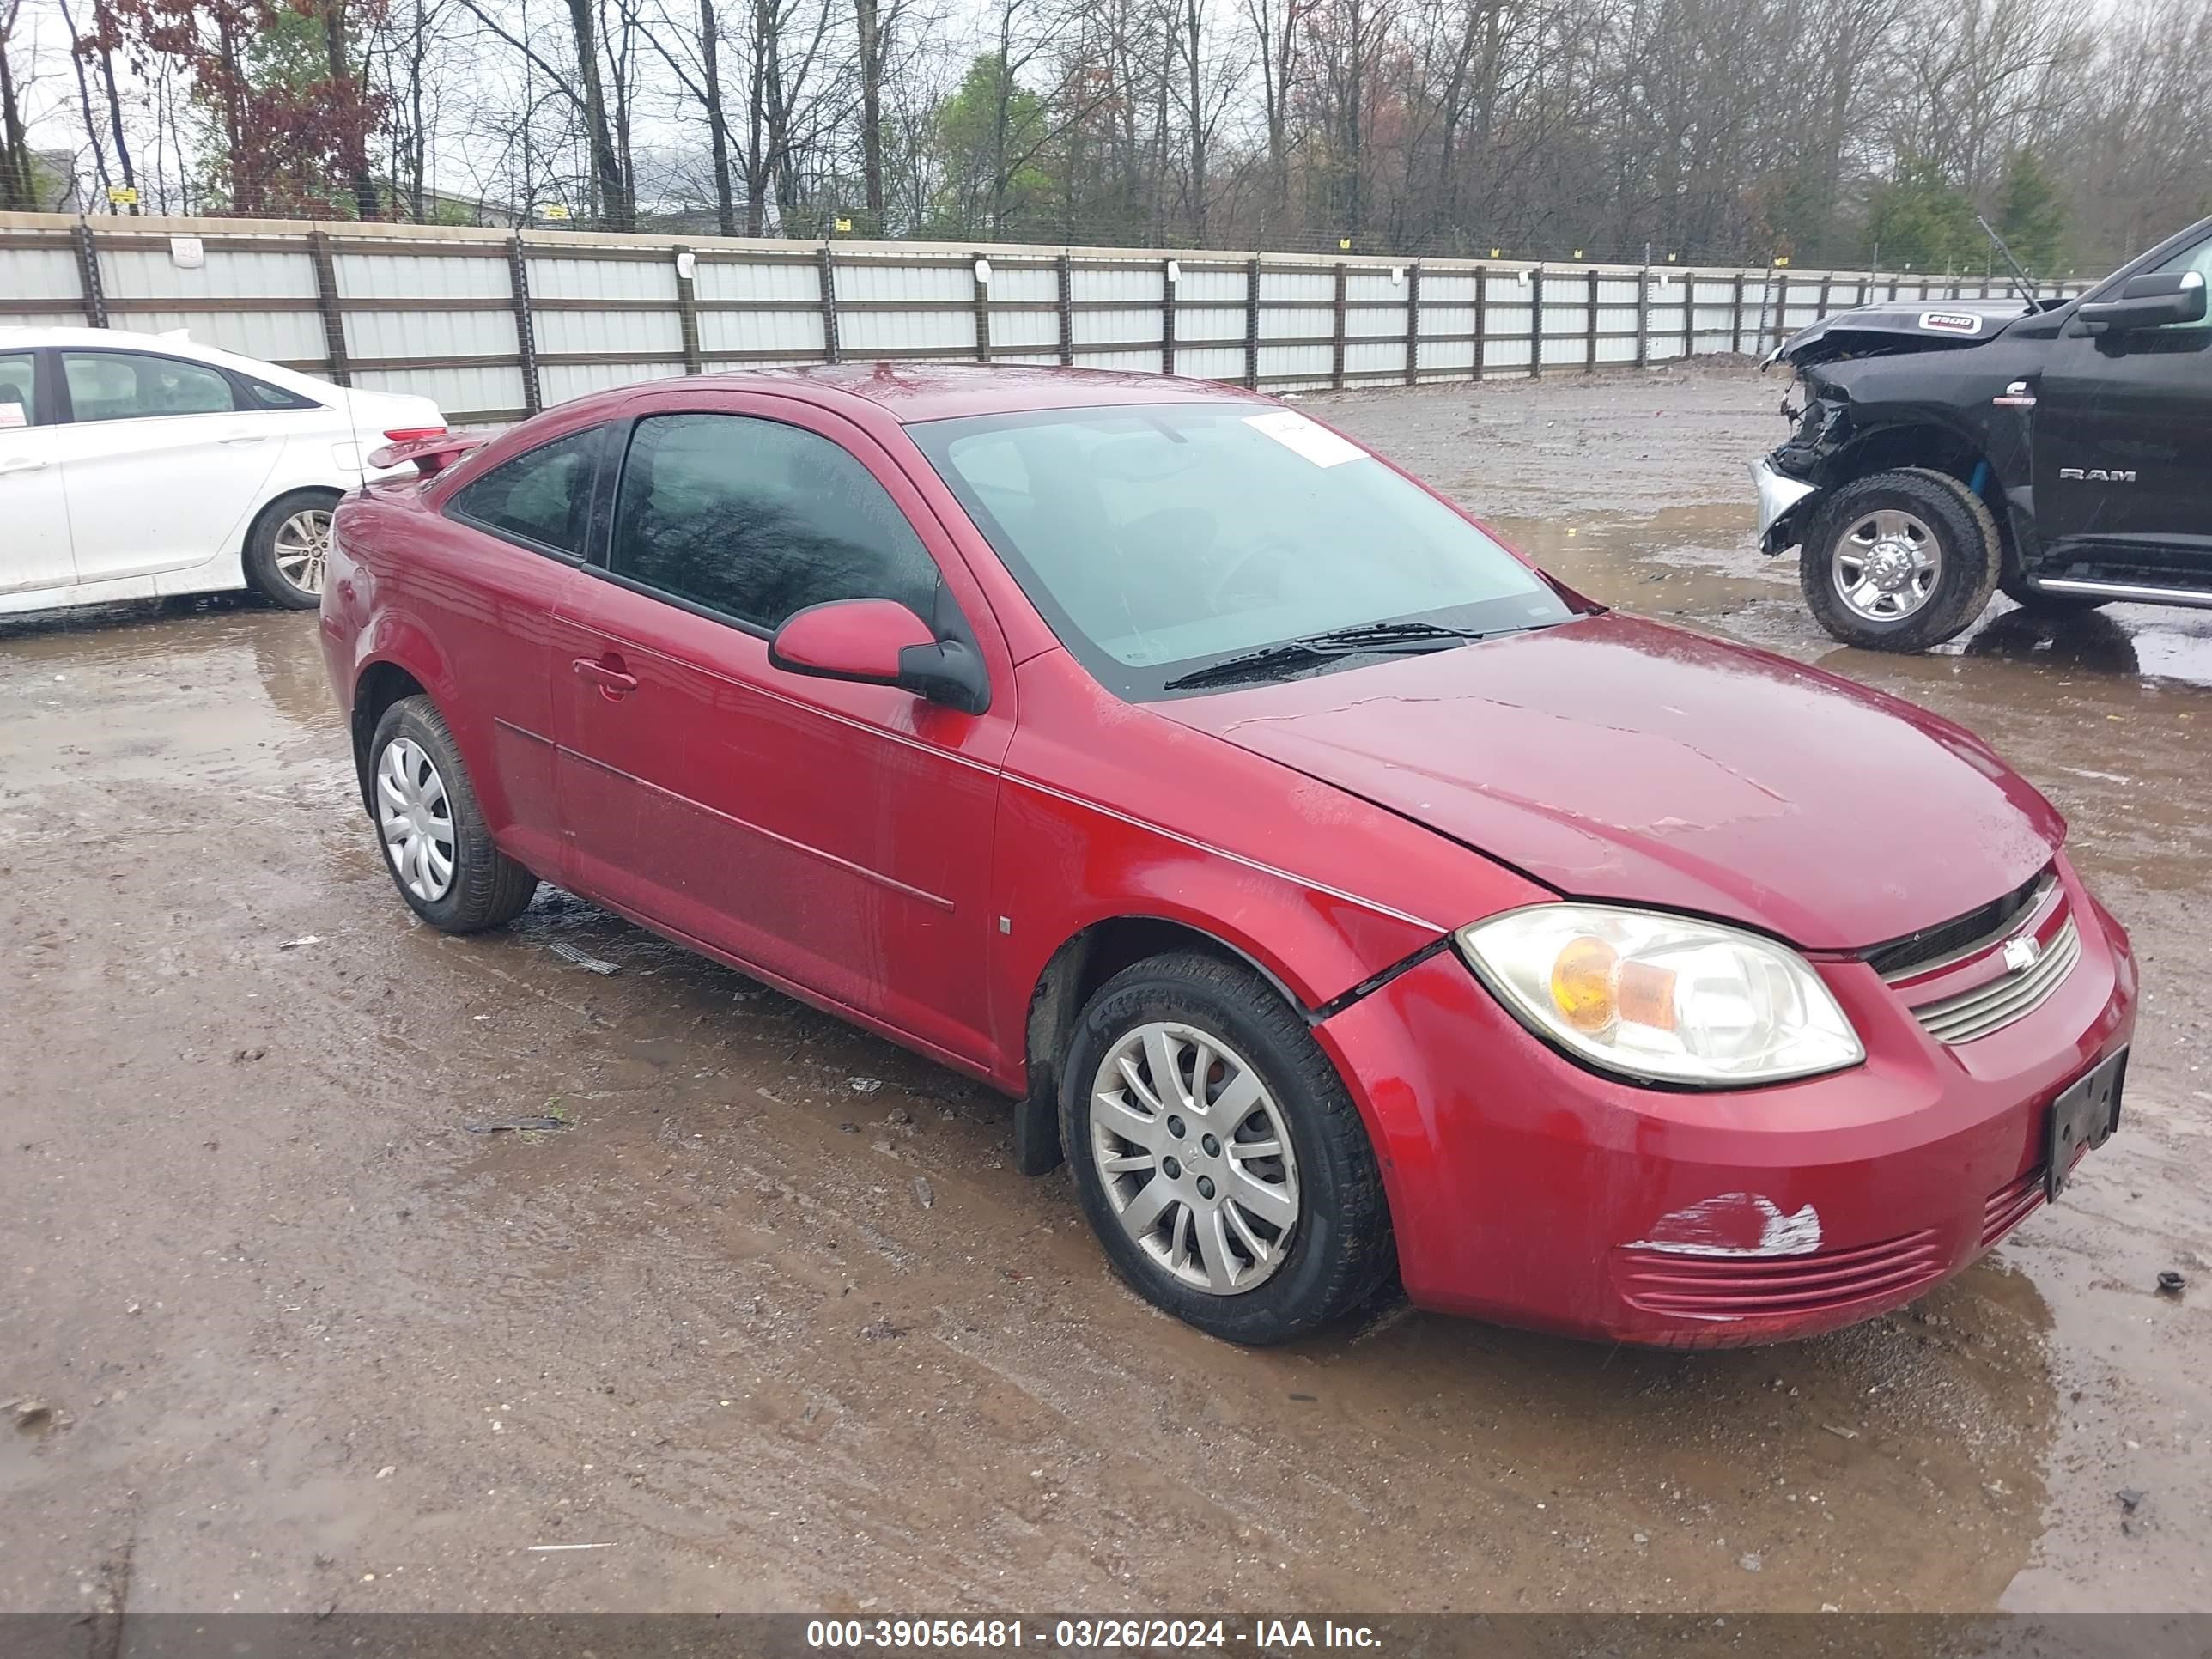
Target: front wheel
1900	560
1218	1154
288	546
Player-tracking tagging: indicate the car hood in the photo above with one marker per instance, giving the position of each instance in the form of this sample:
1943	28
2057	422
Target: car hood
1899	325
1614	758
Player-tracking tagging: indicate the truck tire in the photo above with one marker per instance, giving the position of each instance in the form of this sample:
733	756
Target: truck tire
1900	560
2037	603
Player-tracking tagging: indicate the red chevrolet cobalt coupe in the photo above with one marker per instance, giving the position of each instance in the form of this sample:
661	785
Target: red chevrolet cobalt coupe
1335	891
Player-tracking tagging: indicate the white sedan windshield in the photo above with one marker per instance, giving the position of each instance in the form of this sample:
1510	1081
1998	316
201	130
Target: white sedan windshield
1159	536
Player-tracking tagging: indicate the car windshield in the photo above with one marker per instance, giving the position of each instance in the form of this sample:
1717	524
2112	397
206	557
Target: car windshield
1162	539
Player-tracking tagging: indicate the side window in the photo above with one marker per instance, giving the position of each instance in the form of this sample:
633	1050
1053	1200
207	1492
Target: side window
127	386
259	394
543	497
758	520
19	390
2198	259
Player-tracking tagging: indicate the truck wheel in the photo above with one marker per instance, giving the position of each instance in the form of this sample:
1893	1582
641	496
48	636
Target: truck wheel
1900	560
2037	603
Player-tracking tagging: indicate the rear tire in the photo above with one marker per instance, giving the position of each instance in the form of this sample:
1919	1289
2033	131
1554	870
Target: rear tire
1193	1210
436	848
286	548
1900	560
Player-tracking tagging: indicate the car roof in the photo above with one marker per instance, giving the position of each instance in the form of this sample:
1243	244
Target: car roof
912	393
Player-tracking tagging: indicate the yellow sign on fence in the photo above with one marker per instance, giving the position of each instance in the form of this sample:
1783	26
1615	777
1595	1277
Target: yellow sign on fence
553	211
123	196
842	223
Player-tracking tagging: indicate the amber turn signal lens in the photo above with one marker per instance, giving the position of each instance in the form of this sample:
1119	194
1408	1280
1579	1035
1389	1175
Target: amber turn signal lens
1583	980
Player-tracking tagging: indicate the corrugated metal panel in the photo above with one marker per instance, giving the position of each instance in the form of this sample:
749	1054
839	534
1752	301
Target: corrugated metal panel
559	331
1048	359
399	333
552	278
1508	319
1026	328
1444	319
873	279
1617	290
1439	288
1294	360
279	336
43	319
799	332
1375	356
1295	322
1616	319
422	276
1130	282
561	381
888	332
1372	285
456	390
774	279
1616	351
1504	353
1024	282
145	274
1358	324
1211	362
1119	326
1210	324
39	273
1211	282
1276	284
1447	355
1140	361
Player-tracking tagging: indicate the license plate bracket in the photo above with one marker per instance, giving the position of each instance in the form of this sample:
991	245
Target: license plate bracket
2085	1114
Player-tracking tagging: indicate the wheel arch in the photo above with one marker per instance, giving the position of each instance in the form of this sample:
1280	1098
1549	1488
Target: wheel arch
1929	446
379	685
1071	977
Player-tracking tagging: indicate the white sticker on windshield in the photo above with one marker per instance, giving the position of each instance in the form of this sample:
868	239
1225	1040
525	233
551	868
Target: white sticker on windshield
11	414
1316	443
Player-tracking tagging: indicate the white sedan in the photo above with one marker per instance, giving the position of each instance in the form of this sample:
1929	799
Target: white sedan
136	466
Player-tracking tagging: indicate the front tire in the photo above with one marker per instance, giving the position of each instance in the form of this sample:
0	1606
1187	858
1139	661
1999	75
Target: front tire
1900	560
436	847
1217	1155
286	549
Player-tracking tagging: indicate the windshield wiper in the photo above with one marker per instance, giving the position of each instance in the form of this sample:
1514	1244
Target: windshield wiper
1362	637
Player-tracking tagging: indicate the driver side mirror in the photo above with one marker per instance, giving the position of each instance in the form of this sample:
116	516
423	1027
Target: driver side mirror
880	643
2147	301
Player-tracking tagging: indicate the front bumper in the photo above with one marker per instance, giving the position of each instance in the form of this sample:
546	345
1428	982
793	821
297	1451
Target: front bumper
1529	1191
1779	498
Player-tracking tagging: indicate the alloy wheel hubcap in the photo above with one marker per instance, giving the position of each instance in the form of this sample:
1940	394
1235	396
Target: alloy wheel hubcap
1887	565
416	819
303	542
1194	1157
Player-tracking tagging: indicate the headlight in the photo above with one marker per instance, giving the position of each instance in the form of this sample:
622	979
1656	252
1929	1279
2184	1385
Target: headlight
1663	998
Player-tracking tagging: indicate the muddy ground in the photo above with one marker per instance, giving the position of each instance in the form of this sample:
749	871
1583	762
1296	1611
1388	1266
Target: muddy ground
771	1324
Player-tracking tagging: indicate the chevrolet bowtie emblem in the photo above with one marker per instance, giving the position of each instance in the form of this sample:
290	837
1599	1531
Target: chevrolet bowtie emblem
2021	954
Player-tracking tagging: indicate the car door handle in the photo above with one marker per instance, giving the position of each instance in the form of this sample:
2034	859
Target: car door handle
8	468
246	437
606	673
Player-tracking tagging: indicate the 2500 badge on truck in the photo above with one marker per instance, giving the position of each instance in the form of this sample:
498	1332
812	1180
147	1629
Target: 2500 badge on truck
2059	451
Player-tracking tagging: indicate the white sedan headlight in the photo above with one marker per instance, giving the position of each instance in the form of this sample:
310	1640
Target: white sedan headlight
1663	998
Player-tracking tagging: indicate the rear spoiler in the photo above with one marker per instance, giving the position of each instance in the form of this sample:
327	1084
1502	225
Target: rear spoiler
431	455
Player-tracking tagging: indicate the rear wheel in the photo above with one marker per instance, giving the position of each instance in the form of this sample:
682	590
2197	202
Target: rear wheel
436	843
1218	1154
287	547
1900	560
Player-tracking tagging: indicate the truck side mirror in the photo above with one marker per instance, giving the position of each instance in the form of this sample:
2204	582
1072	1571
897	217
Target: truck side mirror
2151	301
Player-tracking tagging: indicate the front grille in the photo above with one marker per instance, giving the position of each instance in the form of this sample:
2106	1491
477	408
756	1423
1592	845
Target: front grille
2008	1206
1990	1007
1962	934
1748	1287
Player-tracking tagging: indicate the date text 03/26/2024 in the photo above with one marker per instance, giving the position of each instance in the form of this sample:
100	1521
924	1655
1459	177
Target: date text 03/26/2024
1258	1636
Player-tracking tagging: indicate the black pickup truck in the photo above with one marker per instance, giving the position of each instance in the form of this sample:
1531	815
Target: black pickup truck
2059	451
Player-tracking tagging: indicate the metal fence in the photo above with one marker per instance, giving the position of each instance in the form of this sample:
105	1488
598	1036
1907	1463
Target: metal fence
496	325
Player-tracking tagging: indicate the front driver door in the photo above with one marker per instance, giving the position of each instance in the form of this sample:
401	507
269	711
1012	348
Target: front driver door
35	554
2123	444
836	837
